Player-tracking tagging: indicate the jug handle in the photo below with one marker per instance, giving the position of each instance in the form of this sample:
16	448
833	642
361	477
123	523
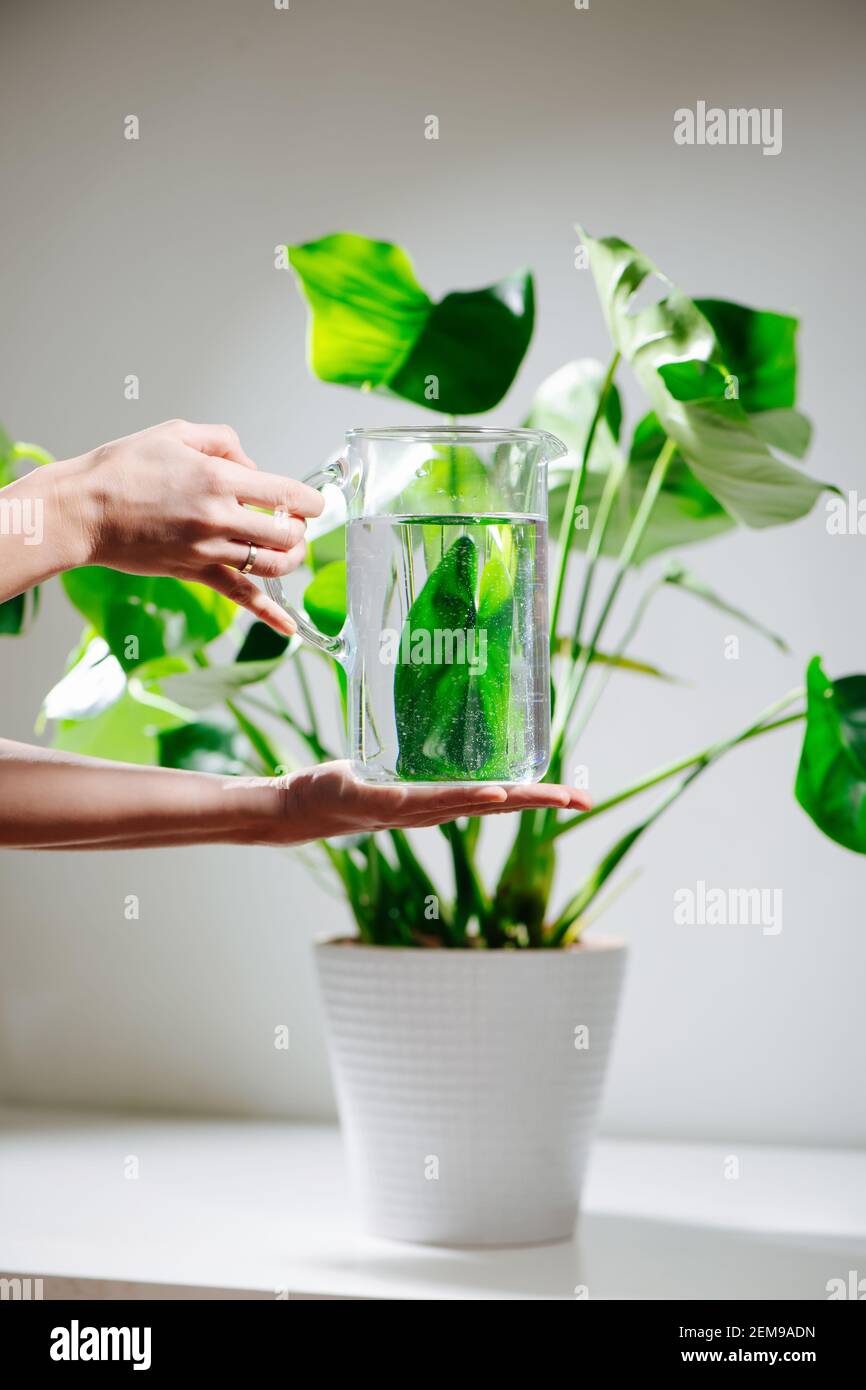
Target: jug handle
336	473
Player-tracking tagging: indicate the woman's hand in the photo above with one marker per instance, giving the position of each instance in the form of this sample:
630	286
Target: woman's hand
172	500
320	802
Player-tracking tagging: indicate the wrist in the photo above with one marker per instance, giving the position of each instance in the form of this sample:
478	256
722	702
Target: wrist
78	508
252	809
57	496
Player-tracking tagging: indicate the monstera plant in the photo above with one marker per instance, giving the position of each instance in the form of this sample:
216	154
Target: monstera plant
160	674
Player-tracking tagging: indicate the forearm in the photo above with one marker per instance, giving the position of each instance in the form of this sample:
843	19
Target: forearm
51	800
43	526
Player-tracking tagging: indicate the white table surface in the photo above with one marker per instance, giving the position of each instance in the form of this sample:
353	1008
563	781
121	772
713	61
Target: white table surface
263	1207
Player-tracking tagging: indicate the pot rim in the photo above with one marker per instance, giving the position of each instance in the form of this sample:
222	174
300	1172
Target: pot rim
329	941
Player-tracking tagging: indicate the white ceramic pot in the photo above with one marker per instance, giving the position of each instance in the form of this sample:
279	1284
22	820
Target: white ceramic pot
468	1084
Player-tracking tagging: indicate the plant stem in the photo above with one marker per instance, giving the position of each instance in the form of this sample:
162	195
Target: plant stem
573	685
627	637
307	736
271	759
22	451
412	866
469	896
575	489
682	765
612	485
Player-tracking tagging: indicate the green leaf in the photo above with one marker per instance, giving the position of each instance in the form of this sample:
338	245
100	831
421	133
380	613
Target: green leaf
325	598
831	778
204	747
492	685
470	348
524	887
620	663
714	435
782	428
786	430
685	511
142	618
372	326
694	381
127	731
368	309
94	680
7	458
567	924
759	348
565	404
262	643
327	548
681	578
438	739
201	687
17	614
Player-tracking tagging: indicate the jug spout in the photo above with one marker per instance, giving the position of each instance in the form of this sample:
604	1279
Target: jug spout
551	447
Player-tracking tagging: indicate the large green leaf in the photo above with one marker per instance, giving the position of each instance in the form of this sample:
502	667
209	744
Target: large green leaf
471	348
94	680
17	613
126	731
781	427
786	430
759	348
714	434
142	618
491	688
438	739
262	643
831	778
367	308
685	511
201	687
372	326
565	404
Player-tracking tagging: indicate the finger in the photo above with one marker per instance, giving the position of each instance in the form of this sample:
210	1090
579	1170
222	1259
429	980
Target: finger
267	564
442	818
277	531
448	799
220	441
247	594
546	795
279	494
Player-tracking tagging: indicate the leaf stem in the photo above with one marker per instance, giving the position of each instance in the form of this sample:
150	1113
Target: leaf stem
616	657
575	490
662	774
566	702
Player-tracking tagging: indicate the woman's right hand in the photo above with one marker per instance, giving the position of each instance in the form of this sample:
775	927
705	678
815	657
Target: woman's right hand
176	500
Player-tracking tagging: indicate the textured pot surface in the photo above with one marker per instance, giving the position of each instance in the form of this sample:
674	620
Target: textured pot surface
468	1084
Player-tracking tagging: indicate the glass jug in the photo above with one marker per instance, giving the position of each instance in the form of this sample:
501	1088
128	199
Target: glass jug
445	644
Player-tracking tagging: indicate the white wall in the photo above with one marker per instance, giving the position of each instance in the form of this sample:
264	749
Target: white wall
156	258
